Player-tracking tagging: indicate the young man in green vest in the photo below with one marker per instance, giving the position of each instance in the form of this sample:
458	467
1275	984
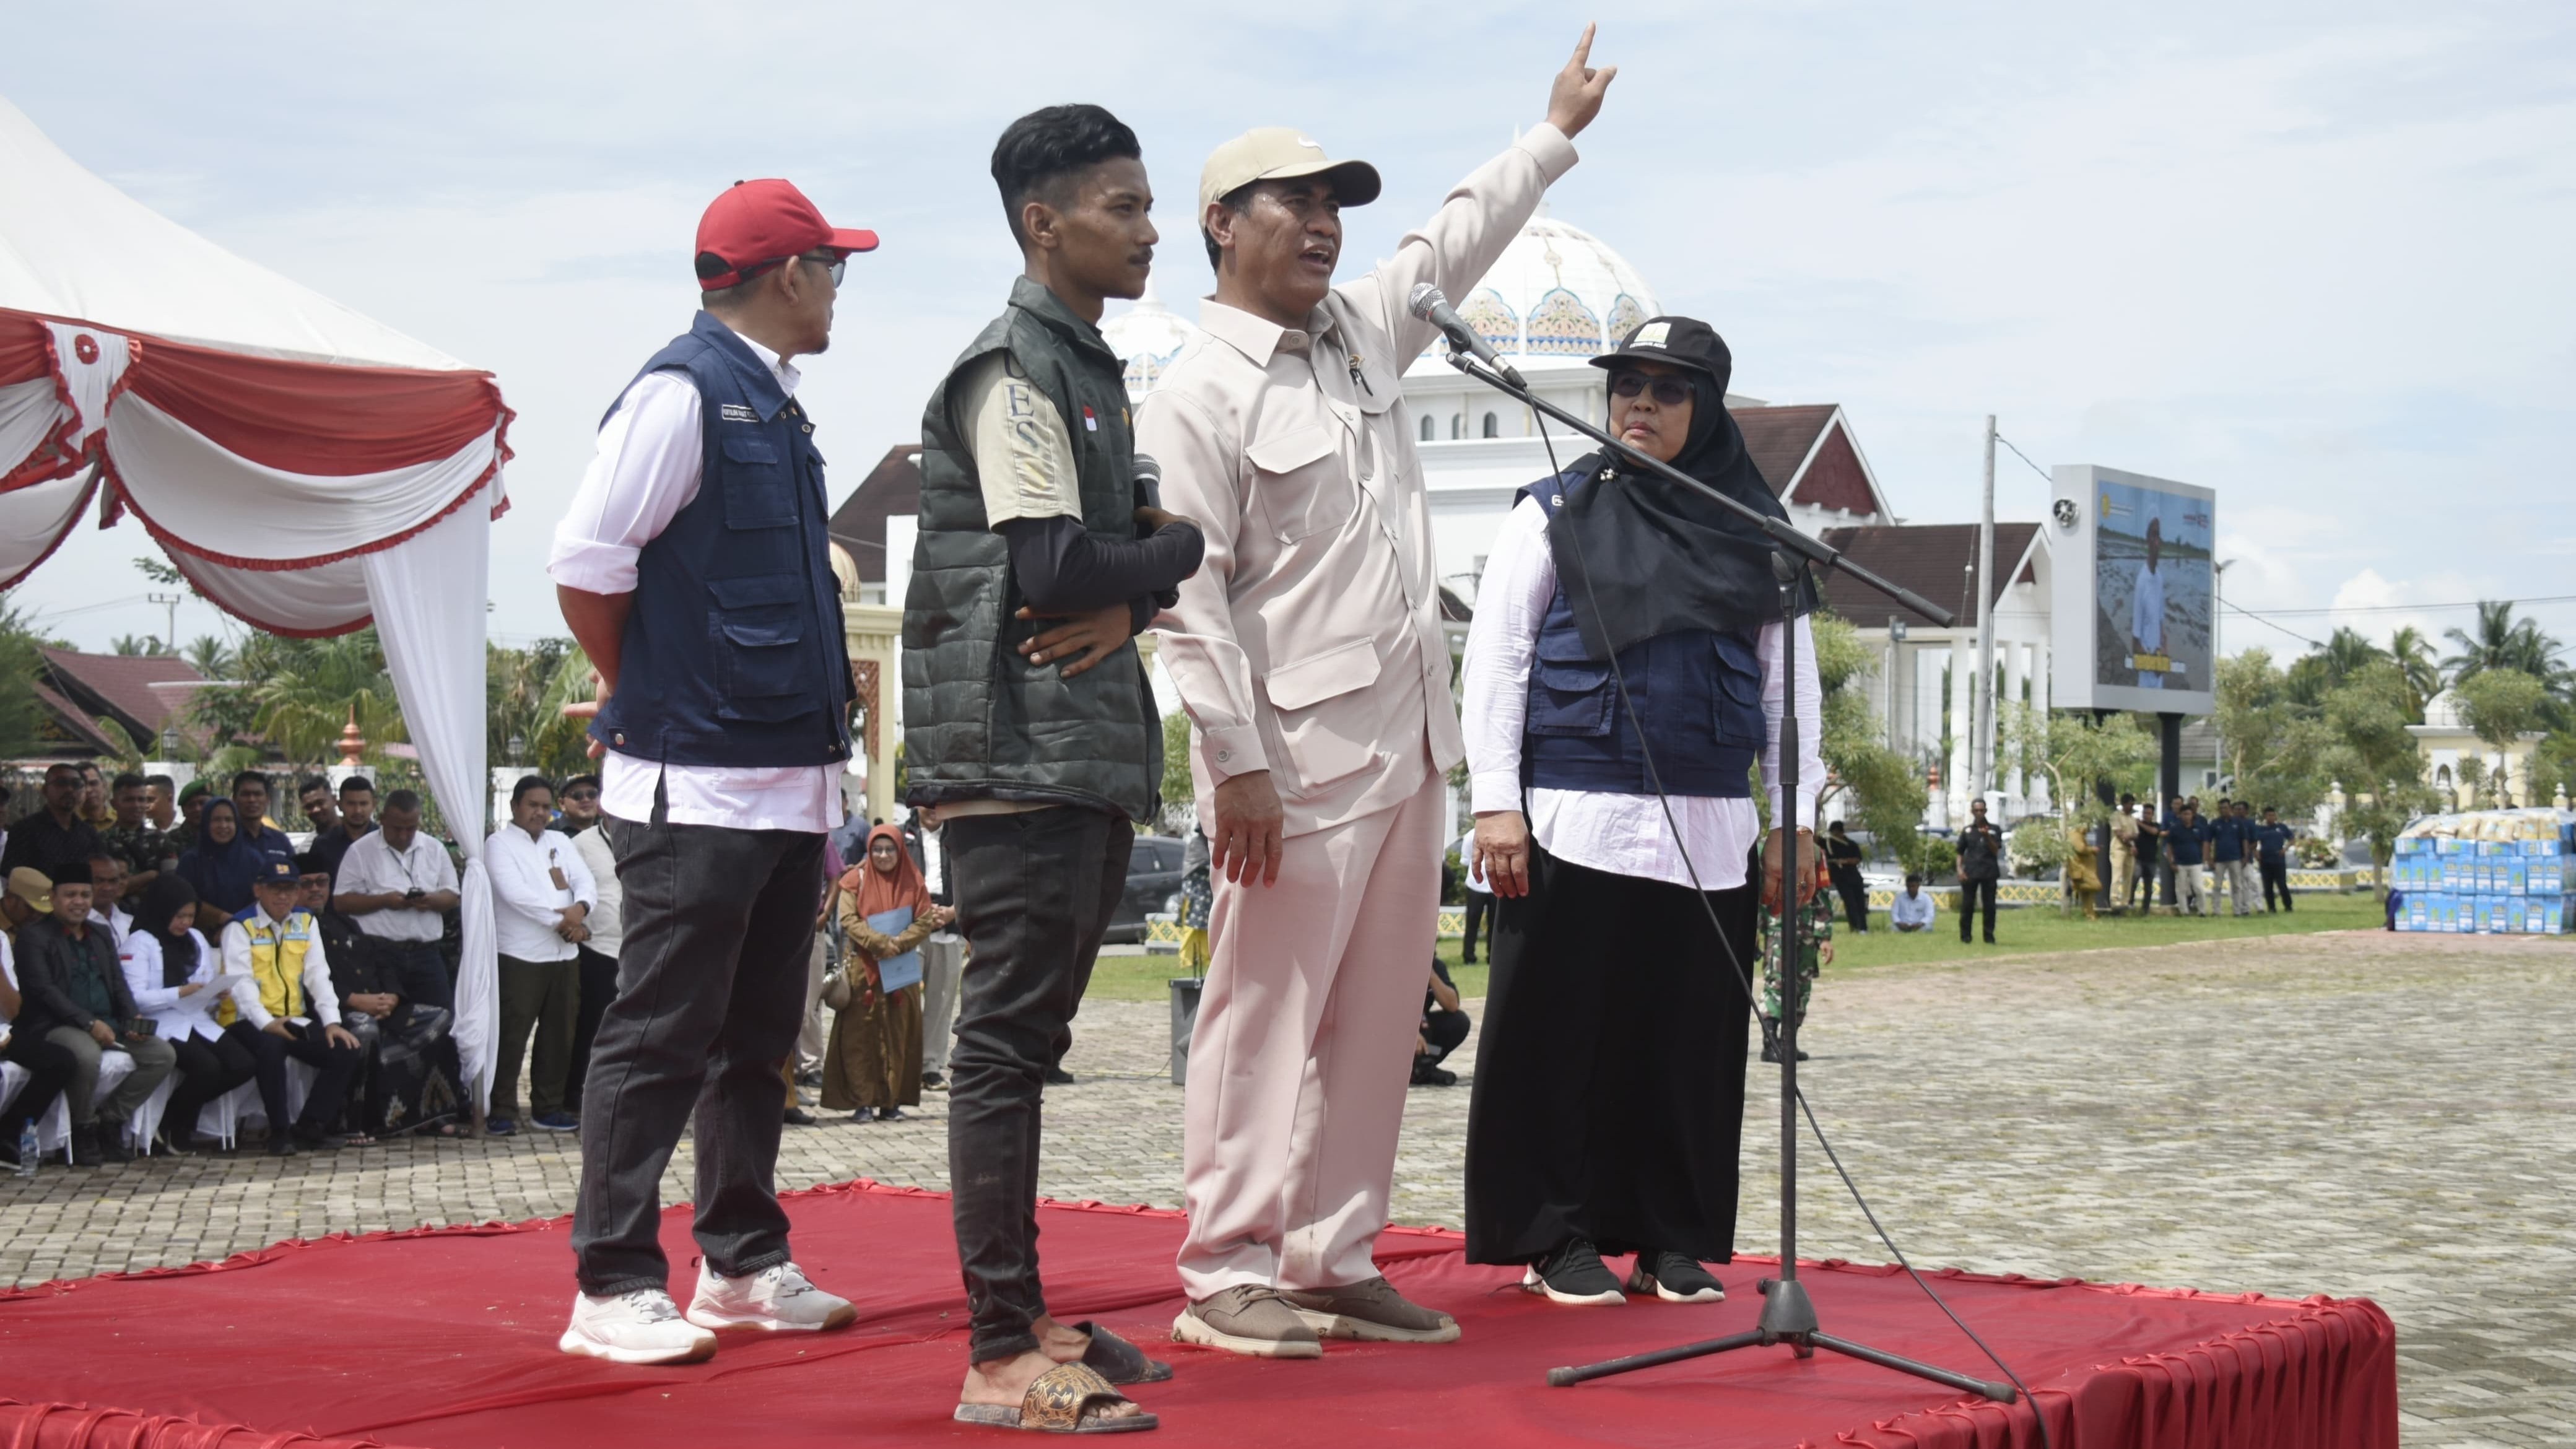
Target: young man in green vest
1030	733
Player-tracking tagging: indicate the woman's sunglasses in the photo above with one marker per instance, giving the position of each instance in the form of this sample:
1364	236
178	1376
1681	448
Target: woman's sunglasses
1670	392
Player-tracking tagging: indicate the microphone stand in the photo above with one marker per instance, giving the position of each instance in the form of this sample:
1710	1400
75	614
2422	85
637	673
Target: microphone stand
1788	1315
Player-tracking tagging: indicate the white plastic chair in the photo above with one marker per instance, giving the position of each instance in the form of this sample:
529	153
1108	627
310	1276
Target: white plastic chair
56	1133
13	1080
146	1120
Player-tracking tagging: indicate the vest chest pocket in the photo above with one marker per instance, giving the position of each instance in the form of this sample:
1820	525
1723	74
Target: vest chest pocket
1569	697
1738	696
759	484
1301	487
754	631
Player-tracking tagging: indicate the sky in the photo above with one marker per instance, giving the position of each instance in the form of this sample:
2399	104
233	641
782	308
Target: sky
2315	256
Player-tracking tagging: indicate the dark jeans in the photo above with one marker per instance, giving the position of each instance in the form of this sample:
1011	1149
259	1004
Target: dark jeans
1855	893
418	970
1035	892
333	1066
710	993
1969	892
207	1070
598	988
536	1000
2276	877
1480	904
49	1069
1444	1030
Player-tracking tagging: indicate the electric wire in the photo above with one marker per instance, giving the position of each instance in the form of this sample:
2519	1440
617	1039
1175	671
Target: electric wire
2025	457
1792	880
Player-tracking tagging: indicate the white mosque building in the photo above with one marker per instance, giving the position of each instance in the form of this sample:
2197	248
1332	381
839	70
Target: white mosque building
1558	297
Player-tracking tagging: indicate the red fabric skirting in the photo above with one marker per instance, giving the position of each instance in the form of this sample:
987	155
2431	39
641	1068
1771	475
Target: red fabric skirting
445	1337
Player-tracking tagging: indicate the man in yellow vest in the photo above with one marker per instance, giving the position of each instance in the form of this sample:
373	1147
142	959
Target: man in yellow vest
283	1006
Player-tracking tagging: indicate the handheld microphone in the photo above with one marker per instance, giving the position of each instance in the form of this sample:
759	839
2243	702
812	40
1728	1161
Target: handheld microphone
1427	303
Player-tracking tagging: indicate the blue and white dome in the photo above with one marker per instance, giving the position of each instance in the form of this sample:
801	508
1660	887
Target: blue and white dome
1557	296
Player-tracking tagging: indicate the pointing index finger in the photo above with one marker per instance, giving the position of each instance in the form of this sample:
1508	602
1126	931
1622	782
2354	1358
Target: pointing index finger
1583	47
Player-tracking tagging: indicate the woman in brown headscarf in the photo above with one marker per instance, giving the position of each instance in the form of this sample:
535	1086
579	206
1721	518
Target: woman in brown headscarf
872	1067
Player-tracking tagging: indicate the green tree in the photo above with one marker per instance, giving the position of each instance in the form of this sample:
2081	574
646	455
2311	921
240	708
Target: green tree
2377	762
2501	641
2273	742
304	690
22	714
2413	654
1886	793
525	691
2500	705
2074	752
134	644
1177	789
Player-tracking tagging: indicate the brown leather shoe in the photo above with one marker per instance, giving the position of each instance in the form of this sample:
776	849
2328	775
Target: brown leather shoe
1248	1319
1372	1311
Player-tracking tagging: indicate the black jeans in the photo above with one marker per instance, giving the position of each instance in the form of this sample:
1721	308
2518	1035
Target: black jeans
1480	904
2276	877
1969	891
1444	1030
333	1066
598	988
49	1069
207	1070
710	992
1035	892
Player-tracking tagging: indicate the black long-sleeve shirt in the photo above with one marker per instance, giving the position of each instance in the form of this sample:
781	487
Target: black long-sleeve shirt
1064	568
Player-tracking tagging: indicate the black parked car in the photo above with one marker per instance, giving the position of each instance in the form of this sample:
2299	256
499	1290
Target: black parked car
1153	878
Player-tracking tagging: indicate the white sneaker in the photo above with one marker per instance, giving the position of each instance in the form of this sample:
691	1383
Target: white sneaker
776	1298
639	1327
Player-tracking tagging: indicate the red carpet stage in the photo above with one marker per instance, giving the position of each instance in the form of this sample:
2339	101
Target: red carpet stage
445	1337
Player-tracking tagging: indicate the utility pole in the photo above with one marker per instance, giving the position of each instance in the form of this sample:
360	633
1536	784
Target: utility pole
2217	610
1981	720
170	602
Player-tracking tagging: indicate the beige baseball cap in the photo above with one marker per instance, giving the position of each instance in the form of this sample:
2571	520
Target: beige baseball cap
1276	153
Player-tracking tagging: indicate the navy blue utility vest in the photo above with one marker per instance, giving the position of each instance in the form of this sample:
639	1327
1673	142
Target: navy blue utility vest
733	652
1697	691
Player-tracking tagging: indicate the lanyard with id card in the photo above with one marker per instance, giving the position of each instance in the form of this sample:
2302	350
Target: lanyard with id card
555	872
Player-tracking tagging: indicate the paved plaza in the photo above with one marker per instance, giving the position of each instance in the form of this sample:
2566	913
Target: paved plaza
2350	1114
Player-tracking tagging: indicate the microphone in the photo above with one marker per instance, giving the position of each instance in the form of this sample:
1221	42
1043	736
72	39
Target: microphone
1427	303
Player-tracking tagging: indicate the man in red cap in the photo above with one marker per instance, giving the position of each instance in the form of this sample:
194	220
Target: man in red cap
695	570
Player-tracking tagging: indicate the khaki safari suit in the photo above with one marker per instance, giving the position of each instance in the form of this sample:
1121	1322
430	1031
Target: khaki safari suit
1309	645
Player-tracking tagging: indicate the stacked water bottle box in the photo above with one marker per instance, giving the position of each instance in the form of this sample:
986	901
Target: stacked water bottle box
2504	872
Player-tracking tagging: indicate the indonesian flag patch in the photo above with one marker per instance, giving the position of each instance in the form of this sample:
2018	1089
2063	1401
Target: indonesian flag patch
1090	422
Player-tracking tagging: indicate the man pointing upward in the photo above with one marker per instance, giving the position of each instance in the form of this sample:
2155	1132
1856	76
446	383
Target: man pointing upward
1308	653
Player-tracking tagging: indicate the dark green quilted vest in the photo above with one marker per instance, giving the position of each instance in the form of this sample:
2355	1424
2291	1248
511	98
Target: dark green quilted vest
979	721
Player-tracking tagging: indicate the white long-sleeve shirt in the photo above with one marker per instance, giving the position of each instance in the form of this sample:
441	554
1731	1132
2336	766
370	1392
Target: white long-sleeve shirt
174	1017
528	904
650	461
321	1001
607	918
1622	834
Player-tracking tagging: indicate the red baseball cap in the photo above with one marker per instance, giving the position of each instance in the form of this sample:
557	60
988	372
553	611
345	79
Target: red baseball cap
764	221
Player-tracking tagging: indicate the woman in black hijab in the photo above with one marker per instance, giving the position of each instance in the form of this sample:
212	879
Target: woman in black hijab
169	968
1610	1080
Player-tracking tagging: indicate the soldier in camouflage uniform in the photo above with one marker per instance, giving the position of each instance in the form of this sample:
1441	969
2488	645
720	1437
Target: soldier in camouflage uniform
130	838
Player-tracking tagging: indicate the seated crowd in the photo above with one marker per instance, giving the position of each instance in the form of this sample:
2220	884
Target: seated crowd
183	932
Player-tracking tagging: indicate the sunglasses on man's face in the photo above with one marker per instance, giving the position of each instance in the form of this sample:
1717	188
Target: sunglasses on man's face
581	797
1669	392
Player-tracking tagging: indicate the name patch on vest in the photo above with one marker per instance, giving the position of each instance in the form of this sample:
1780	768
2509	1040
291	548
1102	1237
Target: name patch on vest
737	413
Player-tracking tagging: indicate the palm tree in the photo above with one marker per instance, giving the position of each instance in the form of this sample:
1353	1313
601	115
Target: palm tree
2502	641
2414	655
304	690
2348	653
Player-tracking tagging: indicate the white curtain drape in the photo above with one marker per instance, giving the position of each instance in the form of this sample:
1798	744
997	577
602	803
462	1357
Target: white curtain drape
33	518
223	503
428	592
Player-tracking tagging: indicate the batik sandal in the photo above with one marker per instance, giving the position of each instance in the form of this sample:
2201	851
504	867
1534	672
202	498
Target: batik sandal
1066	1399
1119	1361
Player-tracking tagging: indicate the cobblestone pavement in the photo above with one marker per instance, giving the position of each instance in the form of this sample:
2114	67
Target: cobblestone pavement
2355	1114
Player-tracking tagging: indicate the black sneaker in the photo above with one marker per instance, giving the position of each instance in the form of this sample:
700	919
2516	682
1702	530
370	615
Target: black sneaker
111	1143
1771	1052
1432	1074
798	1117
891	1114
1058	1077
1675	1278
1574	1273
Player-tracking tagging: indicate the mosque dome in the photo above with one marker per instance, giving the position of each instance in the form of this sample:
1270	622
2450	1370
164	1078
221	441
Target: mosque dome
1558	296
2442	712
1146	337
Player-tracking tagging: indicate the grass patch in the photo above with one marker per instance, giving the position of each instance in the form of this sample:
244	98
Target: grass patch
2025	931
2034	929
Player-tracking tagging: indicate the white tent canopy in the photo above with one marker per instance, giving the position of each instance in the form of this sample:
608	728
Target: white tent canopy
306	467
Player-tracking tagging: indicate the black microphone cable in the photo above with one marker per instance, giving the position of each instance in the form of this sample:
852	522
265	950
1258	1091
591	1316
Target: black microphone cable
1790	883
